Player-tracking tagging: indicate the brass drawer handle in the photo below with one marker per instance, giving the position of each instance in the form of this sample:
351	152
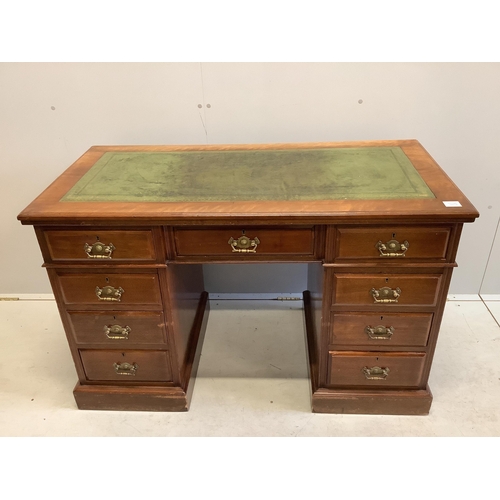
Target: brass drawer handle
117	332
385	295
392	248
375	373
244	244
98	250
380	332
125	368
109	293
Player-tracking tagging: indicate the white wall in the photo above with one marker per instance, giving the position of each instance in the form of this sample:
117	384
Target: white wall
453	109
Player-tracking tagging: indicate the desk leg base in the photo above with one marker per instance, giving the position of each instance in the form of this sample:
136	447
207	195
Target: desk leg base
402	402
108	397
150	398
197	338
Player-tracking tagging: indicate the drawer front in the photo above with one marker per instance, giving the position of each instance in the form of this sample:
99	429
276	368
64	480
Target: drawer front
384	329
388	242
100	246
110	289
127	366
119	328
394	369
386	290
244	242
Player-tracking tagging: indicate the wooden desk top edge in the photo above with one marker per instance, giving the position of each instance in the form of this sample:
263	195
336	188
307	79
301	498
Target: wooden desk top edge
47	208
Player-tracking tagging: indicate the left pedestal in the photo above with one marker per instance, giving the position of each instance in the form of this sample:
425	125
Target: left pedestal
134	324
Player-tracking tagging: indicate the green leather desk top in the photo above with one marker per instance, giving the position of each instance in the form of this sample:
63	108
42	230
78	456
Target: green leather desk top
371	173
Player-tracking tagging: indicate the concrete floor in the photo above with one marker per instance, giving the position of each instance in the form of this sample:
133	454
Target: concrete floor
252	379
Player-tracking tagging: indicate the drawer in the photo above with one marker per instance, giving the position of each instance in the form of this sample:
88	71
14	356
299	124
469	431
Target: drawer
118	328
128	366
244	242
381	329
100	246
386	289
109	289
389	242
388	369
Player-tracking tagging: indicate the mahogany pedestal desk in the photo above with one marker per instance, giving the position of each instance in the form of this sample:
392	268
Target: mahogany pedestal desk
124	233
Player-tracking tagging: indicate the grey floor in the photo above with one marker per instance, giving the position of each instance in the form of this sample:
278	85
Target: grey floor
252	379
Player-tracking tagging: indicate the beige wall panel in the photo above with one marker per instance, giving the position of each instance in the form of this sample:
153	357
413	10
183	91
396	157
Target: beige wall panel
50	114
451	108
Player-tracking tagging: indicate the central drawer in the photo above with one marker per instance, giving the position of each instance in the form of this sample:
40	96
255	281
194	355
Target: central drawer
380	369
240	242
127	366
109	289
386	289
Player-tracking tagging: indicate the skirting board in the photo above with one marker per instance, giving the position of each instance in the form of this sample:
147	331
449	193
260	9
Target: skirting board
490	297
462	297
27	296
243	296
255	296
